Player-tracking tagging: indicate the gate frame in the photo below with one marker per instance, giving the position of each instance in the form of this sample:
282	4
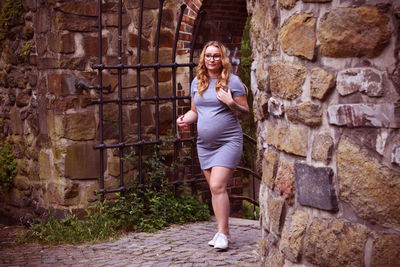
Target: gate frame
183	38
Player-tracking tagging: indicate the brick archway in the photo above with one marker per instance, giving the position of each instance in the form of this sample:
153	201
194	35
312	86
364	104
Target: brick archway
224	21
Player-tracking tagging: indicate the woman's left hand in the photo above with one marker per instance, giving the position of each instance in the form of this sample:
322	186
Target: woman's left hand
225	97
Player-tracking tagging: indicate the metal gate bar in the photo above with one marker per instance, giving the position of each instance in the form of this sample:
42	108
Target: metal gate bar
139	144
121	145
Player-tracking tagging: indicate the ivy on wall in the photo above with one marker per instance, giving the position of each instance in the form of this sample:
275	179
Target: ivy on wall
8	165
248	125
12	10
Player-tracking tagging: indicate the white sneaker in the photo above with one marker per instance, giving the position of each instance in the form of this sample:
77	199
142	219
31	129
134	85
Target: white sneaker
212	242
221	242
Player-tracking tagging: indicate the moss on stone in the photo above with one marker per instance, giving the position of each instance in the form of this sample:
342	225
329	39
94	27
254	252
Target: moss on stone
11	9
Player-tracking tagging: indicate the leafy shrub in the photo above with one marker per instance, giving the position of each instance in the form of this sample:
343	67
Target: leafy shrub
141	209
8	165
12	9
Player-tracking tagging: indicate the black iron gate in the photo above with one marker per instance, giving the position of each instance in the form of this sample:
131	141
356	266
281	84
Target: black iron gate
140	143
120	100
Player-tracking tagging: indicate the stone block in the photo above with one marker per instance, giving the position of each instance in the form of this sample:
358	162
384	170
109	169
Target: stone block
262	77
147	115
274	214
61	42
82	161
70	194
113	166
148	21
70	22
165	116
90	44
79	126
365	80
336	243
287	4
306	113
293	234
284	181
275	107
152	4
385	250
354	32
365	115
166	39
41	45
130	81
17	198
111	20
164	90
63	62
261	107
45	166
42	20
164	75
286	79
269	168
22	183
396	153
111	121
314	187
368	185
292	139
322	148
395	77
16	122
88	8
47	63
29	5
90	192
133	42
381	141
297	35
54	83
265	28
54	193
273	257
321	83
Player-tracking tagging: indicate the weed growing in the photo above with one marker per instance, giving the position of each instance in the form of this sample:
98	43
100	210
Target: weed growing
8	165
141	209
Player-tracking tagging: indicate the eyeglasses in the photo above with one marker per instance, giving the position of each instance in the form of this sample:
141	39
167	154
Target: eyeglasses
214	57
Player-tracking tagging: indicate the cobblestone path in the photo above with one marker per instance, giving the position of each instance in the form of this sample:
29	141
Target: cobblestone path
179	245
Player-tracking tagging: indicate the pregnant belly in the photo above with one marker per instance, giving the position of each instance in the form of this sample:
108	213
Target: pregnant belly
217	130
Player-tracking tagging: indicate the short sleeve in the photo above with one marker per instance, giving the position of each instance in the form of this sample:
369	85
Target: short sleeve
236	85
193	87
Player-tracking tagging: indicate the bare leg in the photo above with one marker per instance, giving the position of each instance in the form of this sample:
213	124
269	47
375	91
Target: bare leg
217	178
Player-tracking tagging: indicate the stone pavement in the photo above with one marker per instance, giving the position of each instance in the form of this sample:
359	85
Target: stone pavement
178	245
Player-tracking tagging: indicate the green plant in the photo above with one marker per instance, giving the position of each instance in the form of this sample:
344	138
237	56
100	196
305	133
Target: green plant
8	165
250	211
11	9
25	51
249	127
142	208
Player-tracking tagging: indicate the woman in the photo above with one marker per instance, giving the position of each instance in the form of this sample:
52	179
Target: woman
218	101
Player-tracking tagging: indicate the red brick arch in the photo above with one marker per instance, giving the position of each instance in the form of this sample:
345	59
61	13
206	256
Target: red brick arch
224	21
188	22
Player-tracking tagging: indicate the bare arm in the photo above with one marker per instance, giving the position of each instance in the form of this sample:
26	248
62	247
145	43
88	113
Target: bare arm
238	104
189	117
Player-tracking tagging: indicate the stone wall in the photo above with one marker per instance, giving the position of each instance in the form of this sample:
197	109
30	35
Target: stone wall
325	78
52	124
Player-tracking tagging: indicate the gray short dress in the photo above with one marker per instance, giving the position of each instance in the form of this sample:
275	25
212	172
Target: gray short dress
220	138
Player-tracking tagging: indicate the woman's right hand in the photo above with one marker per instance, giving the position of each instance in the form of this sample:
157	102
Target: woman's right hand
181	123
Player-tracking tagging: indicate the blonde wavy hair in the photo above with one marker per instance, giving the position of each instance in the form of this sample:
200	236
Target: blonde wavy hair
202	74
